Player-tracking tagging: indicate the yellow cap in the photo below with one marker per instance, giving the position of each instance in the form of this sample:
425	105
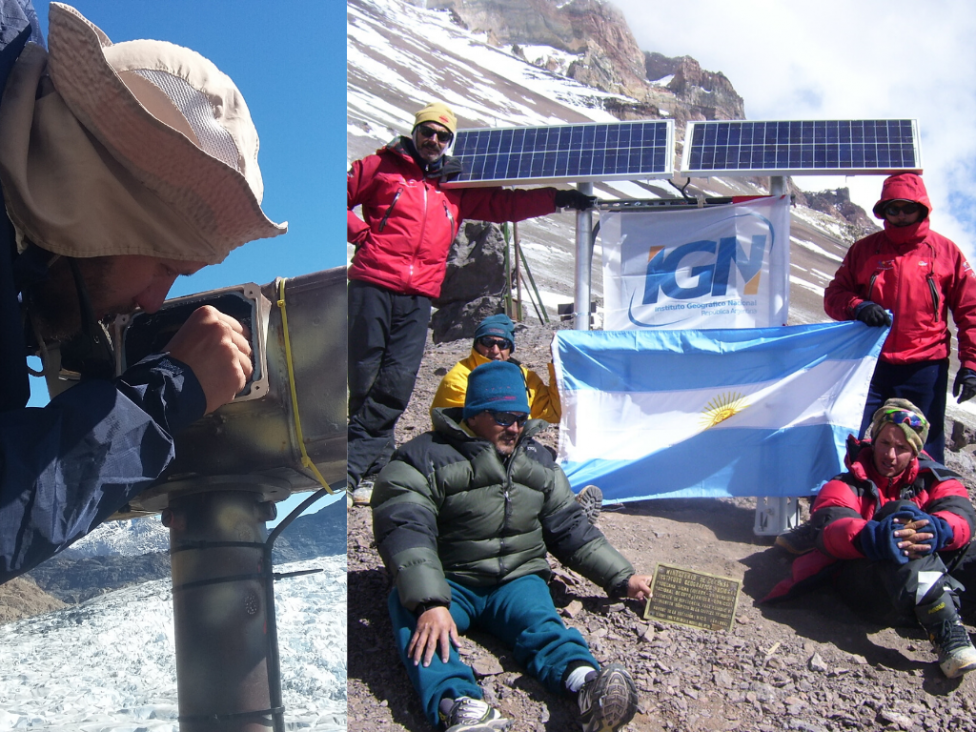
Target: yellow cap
437	112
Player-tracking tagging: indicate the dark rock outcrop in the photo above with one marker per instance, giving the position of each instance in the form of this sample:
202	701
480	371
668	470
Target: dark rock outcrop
22	598
473	284
837	203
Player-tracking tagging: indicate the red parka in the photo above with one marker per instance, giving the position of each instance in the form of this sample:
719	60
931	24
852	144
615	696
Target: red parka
409	221
846	503
915	273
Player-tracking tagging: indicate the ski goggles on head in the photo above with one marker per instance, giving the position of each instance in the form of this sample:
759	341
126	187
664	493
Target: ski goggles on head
903	416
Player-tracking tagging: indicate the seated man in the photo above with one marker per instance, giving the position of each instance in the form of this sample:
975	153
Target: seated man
463	517
494	340
886	531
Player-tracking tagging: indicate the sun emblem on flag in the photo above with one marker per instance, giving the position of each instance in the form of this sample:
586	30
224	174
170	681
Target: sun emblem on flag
722	408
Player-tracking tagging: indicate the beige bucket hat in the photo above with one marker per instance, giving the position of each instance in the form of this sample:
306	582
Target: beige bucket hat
140	147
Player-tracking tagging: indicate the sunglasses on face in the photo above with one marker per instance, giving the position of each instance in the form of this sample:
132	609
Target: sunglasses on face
488	343
900	416
895	209
441	135
507	419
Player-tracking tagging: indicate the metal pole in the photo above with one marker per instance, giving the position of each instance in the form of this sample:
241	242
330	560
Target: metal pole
776	514
518	272
584	257
220	612
777	185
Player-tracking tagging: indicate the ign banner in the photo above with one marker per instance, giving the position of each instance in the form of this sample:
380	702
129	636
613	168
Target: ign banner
700	268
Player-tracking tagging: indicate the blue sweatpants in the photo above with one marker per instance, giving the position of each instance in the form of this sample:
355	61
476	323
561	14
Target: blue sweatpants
924	384
520	613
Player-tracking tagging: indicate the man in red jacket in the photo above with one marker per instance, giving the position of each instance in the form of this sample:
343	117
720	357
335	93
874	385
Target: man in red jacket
402	241
919	276
892	533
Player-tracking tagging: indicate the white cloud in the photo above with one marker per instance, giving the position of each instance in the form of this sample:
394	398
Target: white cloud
844	60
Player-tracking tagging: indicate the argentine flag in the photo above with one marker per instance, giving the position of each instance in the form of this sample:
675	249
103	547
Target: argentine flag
709	413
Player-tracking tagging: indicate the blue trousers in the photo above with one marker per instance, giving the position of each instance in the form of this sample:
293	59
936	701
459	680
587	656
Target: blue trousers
924	384
520	613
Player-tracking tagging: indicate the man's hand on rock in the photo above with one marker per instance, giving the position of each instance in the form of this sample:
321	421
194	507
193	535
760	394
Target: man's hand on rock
639	586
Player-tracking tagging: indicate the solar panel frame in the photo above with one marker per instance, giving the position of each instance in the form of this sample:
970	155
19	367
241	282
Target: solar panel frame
801	147
576	153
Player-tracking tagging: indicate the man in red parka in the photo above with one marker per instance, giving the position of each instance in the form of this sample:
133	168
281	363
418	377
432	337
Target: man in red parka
919	276
402	241
891	533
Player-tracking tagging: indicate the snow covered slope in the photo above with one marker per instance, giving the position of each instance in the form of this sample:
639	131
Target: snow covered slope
108	664
401	56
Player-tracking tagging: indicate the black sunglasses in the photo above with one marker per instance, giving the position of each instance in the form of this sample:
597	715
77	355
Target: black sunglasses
442	135
507	419
906	208
488	342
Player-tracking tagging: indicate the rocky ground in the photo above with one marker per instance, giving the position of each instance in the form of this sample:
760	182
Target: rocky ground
811	666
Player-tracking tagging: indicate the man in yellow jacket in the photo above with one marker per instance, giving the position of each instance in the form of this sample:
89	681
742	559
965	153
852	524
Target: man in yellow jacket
494	340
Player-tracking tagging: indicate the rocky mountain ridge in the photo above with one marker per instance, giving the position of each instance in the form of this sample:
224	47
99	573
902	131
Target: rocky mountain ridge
603	54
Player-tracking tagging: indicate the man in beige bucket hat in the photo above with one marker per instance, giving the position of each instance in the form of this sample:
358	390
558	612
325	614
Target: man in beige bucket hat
122	166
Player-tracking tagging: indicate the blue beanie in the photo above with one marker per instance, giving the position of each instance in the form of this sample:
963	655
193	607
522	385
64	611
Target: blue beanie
496	385
500	326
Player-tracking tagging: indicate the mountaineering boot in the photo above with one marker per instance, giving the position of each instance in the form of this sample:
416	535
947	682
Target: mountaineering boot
590	500
473	715
948	635
798	540
608	700
364	491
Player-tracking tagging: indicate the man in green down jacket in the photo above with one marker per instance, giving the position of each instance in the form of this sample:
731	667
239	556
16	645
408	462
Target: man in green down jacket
463	517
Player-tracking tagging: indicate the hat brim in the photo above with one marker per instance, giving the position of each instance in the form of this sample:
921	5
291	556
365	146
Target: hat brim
215	197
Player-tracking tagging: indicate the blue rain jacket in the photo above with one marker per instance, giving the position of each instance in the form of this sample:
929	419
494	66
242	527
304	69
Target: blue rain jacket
67	467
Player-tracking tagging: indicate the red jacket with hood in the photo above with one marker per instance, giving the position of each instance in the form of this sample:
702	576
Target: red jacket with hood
916	274
846	503
409	221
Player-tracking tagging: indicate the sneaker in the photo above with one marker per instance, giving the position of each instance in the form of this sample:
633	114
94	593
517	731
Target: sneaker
590	500
473	715
956	653
363	492
608	700
798	540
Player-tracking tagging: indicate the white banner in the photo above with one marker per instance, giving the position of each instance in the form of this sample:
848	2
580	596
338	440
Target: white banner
698	268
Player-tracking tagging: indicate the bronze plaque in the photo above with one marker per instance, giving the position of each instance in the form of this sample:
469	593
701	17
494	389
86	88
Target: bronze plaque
686	597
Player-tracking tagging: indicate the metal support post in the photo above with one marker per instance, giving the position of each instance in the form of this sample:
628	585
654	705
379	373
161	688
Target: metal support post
220	613
776	514
584	259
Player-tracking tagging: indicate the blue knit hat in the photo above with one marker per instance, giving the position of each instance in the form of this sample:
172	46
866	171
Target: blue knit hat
496	385
500	326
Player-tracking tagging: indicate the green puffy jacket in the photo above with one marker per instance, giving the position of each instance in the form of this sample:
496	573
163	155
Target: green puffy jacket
448	505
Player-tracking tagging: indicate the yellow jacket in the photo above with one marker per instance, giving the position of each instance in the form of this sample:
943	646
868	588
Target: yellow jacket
543	400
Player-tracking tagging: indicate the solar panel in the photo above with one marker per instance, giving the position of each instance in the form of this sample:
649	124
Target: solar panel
815	147
565	153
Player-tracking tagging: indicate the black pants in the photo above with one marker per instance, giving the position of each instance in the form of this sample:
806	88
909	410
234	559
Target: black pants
387	334
885	592
924	384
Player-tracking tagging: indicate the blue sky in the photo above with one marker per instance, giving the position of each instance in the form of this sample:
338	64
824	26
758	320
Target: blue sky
288	58
871	59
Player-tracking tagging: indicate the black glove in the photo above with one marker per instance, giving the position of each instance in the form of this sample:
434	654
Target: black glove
574	199
966	383
870	313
